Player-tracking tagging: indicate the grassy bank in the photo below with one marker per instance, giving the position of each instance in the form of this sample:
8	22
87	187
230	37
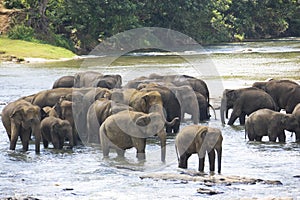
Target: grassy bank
19	50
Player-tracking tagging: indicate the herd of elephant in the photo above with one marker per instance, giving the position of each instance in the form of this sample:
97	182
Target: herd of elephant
92	108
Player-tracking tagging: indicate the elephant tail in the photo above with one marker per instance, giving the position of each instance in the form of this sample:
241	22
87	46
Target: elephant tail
209	105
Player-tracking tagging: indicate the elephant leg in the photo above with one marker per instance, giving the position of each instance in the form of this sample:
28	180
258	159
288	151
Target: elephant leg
45	143
140	145
183	160
212	157
282	137
168	129
201	164
120	152
234	115
242	119
25	137
219	152
13	137
258	138
176	127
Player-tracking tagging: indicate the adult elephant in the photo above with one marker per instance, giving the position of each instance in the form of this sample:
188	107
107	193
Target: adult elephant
196	84
98	112
265	122
244	101
21	118
87	79
286	93
56	131
170	104
199	139
128	129
64	82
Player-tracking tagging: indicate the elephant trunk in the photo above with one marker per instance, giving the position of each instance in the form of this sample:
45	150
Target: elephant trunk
171	123
38	136
222	110
162	137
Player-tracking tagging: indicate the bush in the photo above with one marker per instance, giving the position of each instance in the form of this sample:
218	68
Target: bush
21	32
10	4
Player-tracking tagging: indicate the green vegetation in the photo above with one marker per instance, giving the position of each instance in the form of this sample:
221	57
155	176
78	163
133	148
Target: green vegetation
79	25
23	49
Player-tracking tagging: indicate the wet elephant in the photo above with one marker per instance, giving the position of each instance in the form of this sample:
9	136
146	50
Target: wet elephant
286	93
87	79
128	129
56	131
265	122
170	104
98	112
199	139
21	118
243	102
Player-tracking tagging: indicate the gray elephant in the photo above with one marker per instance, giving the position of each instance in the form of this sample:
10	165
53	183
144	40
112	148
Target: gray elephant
286	93
199	139
21	118
87	79
244	101
98	112
56	131
64	82
128	129
296	113
265	122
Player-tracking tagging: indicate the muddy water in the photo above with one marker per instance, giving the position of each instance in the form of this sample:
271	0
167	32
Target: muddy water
83	174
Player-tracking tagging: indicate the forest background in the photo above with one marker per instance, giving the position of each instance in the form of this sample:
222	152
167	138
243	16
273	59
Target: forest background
80	25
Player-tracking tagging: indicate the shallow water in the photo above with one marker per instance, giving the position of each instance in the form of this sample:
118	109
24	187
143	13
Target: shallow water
83	174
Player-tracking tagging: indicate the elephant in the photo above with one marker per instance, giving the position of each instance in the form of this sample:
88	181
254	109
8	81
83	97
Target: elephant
98	112
244	101
64	82
170	104
128	129
199	139
196	84
266	122
21	118
56	131
286	93
188	102
87	79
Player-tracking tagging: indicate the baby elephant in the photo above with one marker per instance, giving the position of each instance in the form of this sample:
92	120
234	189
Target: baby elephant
56	130
199	139
265	122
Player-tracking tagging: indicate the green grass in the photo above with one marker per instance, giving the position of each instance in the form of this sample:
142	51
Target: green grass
23	49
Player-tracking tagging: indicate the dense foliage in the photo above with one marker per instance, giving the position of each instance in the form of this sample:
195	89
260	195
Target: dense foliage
80	24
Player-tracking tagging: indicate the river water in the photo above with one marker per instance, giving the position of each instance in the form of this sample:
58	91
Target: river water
83	173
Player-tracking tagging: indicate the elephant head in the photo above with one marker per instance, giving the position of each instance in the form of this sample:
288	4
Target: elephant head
291	123
227	102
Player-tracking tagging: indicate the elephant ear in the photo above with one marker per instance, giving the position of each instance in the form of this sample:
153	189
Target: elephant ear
17	114
143	120
231	94
145	103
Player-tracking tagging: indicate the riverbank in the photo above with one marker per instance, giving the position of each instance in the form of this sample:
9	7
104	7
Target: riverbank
22	51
